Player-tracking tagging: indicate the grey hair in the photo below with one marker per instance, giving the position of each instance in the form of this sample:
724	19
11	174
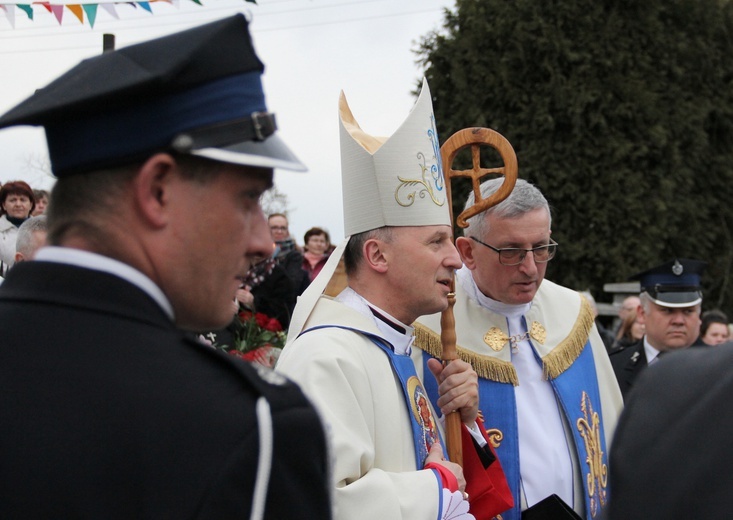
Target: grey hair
24	242
645	301
525	197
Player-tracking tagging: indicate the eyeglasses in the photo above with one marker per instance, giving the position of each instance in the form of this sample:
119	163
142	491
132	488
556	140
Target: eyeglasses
279	228
515	255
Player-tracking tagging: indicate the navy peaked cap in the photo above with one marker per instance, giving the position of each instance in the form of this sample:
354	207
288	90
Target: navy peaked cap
673	284
198	91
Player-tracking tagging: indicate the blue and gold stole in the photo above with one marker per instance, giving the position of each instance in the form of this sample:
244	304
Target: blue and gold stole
425	430
576	389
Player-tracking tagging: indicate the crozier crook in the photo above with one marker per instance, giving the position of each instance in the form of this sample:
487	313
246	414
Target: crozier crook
474	138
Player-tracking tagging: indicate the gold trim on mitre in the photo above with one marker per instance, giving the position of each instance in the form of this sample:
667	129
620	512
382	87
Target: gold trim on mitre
485	366
568	350
431	181
371	143
396	180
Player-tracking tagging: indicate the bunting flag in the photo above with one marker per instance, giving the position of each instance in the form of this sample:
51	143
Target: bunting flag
110	8
28	10
83	11
91	11
58	11
9	13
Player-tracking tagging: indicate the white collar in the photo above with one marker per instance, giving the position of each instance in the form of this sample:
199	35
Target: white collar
97	262
401	341
651	352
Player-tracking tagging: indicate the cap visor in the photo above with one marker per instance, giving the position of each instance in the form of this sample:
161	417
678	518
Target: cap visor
270	153
678	299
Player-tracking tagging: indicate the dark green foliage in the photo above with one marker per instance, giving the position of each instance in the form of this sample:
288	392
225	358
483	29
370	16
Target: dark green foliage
620	111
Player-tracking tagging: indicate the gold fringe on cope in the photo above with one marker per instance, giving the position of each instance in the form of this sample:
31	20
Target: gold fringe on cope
568	350
485	366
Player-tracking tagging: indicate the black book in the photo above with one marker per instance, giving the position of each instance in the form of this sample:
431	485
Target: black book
550	508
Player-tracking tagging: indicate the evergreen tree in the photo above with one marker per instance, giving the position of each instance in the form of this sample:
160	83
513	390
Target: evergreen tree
620	111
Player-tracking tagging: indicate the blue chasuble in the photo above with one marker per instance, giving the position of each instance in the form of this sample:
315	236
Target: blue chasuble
576	389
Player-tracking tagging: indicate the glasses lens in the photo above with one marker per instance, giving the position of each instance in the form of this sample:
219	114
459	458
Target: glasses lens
544	253
511	256
515	256
541	254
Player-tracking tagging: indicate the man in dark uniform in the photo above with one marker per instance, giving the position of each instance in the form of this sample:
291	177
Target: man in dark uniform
670	311
671	455
109	409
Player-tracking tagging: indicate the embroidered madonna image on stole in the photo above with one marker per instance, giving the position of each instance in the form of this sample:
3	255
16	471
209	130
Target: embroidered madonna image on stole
423	415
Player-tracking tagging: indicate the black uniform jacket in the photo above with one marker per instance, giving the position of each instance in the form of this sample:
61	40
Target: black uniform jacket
108	411
671	457
627	364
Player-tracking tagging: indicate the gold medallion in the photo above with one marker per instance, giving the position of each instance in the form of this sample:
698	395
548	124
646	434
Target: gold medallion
495	339
538	333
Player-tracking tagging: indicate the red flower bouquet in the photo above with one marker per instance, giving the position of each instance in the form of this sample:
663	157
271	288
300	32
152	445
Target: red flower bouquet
256	338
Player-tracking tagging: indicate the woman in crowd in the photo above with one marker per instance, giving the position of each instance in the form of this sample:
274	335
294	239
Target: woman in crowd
317	250
628	333
42	197
16	204
713	328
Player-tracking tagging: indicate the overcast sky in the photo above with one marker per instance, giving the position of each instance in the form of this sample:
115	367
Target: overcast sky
312	49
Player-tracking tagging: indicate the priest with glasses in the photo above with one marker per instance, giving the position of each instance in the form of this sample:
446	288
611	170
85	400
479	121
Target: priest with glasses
548	395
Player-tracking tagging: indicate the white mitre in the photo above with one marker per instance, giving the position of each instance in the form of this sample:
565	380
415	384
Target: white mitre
395	181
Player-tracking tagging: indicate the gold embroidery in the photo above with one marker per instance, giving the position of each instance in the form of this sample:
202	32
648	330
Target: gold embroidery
432	180
485	366
538	332
427	186
495	437
495	339
596	478
553	364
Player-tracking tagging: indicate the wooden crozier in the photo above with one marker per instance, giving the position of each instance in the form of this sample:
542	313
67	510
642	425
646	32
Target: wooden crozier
474	138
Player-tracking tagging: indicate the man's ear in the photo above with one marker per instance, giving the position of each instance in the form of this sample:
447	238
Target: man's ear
465	249
640	315
374	255
152	186
19	257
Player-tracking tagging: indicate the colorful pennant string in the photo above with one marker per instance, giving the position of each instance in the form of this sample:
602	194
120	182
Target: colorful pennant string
82	12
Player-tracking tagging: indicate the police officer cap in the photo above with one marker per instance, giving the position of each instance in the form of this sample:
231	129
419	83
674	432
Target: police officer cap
673	284
195	92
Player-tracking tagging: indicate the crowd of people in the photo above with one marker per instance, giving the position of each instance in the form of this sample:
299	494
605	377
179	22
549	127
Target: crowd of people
151	247
19	207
